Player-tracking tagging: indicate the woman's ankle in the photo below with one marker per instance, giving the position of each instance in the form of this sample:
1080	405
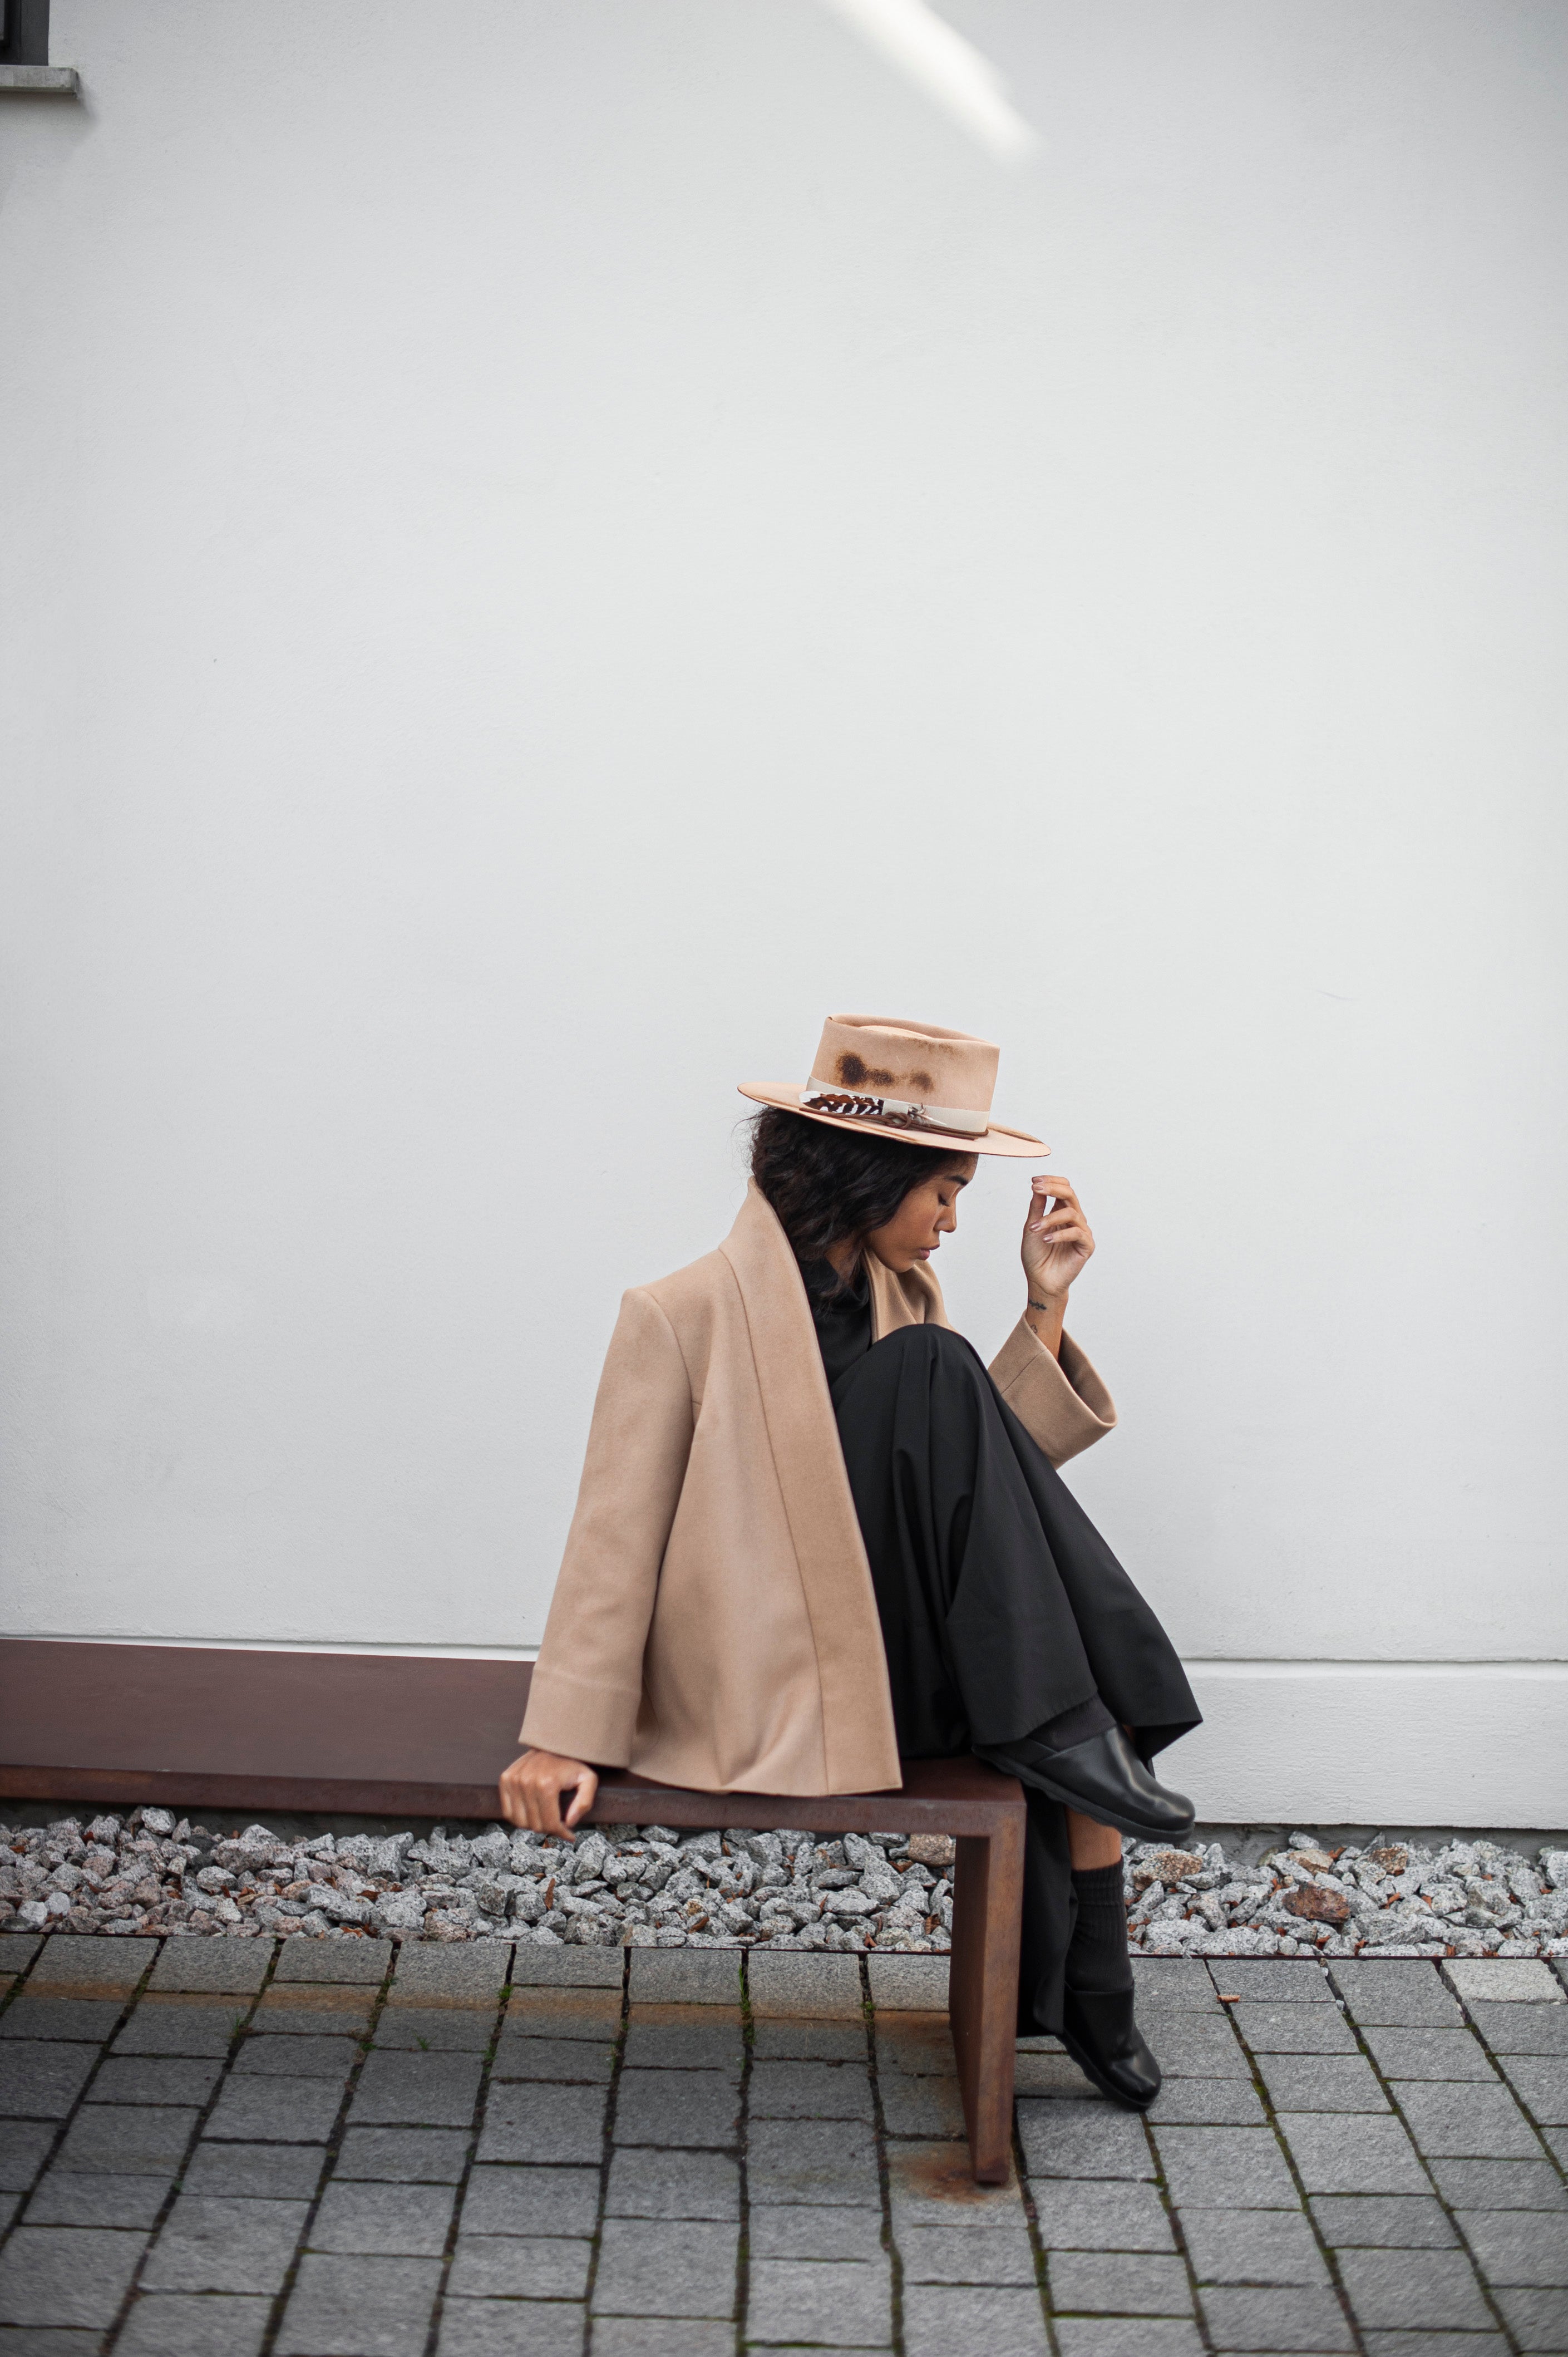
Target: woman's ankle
1091	1846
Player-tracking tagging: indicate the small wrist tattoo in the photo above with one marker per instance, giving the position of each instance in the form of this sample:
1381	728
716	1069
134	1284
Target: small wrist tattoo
1047	1306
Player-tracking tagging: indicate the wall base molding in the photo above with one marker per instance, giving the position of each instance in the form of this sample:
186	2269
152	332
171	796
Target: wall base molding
1433	1743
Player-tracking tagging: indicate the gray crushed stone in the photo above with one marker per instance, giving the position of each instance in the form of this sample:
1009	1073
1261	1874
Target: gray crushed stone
640	1886
648	1886
1395	1899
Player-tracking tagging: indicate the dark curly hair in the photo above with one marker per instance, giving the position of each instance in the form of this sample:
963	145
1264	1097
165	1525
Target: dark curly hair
826	1184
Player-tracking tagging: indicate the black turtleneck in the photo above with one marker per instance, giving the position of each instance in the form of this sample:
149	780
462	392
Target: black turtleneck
842	1314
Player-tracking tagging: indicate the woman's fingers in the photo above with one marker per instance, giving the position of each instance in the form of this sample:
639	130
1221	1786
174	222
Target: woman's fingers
554	1775
514	1793
586	1789
531	1792
1050	1197
1060	1223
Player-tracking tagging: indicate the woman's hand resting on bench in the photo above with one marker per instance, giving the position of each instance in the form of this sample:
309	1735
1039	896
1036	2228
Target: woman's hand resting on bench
530	1793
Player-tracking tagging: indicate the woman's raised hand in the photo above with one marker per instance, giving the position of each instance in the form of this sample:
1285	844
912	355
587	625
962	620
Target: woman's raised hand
1057	1237
1057	1242
530	1793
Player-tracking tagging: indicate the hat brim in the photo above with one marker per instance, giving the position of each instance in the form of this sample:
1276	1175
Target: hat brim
996	1139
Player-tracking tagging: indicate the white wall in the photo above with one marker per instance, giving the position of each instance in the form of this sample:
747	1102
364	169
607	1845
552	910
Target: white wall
549	543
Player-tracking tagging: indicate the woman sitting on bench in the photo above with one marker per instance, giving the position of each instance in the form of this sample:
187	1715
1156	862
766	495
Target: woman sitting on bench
815	1533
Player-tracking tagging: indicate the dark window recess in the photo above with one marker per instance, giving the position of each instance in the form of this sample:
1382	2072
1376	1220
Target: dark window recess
24	32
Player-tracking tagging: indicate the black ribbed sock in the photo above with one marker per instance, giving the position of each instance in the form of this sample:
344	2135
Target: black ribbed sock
1097	1962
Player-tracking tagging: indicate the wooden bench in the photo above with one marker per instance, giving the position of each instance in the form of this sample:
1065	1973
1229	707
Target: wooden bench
399	1736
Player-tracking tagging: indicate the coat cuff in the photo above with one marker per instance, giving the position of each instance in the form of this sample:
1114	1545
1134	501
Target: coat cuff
1061	1402
579	1719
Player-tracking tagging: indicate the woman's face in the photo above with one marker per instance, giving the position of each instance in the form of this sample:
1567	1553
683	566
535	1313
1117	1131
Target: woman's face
927	1214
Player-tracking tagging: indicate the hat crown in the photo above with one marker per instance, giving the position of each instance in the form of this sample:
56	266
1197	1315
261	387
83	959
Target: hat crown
917	1063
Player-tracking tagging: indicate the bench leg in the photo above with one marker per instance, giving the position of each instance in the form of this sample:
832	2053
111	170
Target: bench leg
983	1999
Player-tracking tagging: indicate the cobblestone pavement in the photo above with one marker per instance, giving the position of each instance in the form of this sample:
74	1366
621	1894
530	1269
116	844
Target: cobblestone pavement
336	2149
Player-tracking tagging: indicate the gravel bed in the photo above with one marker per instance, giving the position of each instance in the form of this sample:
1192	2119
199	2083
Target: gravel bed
647	1886
1394	1898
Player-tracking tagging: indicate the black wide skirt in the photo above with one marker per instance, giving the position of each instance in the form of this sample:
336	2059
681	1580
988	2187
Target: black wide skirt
1001	1607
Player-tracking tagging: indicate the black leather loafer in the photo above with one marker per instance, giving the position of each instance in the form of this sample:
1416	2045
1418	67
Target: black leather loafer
1103	1779
1106	2043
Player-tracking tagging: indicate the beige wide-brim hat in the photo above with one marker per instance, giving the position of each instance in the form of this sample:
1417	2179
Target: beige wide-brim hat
911	1081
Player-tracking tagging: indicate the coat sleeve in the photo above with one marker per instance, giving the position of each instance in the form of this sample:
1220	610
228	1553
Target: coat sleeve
587	1682
1063	1404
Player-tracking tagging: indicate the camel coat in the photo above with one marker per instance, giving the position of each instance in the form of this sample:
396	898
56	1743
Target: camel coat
713	1624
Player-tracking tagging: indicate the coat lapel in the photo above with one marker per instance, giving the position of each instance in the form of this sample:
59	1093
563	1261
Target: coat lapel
912	1300
857	1711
